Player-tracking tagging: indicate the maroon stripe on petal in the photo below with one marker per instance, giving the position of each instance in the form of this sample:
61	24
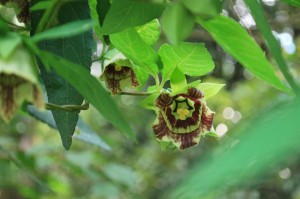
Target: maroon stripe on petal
195	93
206	118
171	118
161	128
163	100
187	140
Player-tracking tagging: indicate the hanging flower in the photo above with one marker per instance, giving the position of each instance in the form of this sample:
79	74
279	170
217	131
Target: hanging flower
21	8
182	119
18	83
118	73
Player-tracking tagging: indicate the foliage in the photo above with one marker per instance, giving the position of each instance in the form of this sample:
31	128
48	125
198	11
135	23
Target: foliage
126	40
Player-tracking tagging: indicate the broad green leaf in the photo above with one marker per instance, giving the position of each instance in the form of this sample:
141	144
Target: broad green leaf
149	32
210	89
134	48
85	133
177	22
94	16
274	46
8	44
204	8
42	5
125	14
292	2
177	81
191	58
103	7
91	89
63	31
266	140
77	49
230	35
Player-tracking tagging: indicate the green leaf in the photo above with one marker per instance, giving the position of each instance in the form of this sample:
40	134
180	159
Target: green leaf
63	31
134	48
125	14
177	22
8	44
85	133
91	89
267	139
191	58
103	7
77	49
42	5
149	32
210	89
94	16
204	8
230	35
274	46
292	2
177	81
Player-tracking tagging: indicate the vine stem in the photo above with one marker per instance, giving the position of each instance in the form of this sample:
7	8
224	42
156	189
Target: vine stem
136	93
85	106
68	107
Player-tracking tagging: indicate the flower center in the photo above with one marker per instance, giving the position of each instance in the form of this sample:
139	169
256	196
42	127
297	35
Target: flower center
118	68
182	113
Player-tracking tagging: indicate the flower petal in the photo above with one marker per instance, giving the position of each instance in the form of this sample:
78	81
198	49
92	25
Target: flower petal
206	119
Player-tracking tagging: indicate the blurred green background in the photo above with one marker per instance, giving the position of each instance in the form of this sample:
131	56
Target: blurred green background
34	164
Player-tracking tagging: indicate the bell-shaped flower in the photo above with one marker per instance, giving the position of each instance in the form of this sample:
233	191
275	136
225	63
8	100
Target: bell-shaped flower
182	119
18	83
118	73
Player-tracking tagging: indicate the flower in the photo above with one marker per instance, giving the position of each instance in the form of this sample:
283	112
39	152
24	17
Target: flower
21	8
182	119
18	83
118	73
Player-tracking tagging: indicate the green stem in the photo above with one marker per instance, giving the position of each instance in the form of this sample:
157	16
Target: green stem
68	107
136	93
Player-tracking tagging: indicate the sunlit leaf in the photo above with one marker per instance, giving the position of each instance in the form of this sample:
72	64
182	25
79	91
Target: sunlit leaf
204	8
134	48
273	44
149	32
125	14
191	58
210	89
230	35
177	22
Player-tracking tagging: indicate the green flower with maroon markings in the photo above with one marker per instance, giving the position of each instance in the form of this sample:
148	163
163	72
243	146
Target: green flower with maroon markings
21	8
182	119
118	73
18	83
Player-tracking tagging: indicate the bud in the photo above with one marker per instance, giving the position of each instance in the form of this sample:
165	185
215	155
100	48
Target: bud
182	119
18	83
